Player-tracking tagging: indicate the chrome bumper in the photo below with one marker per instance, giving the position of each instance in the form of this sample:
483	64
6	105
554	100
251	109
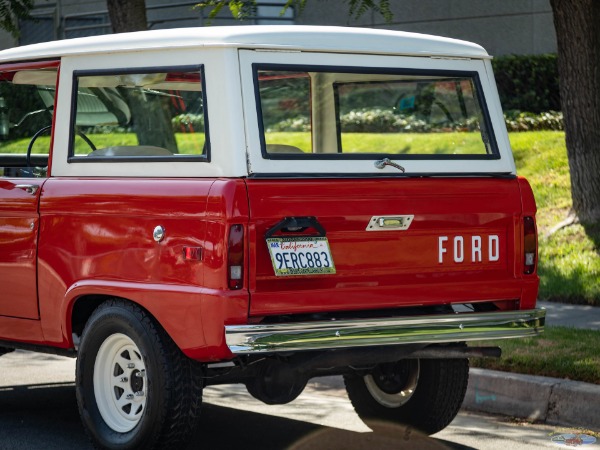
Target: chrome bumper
249	339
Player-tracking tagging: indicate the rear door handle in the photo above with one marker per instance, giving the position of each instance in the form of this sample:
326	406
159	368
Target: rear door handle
29	188
296	224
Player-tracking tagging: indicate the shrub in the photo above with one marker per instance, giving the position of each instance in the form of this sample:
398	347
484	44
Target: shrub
528	82
187	121
381	121
300	123
524	121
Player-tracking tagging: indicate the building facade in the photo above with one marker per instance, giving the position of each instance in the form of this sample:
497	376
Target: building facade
500	26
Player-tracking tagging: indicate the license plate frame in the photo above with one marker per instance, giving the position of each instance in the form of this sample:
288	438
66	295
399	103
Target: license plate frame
300	255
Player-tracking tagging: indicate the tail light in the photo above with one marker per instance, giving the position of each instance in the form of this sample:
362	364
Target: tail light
235	257
529	245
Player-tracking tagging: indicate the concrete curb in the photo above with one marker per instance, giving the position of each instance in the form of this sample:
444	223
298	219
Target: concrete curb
542	399
549	400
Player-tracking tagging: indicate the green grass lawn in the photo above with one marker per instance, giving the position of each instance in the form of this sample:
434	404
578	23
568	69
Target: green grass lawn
569	269
569	265
559	352
394	143
186	143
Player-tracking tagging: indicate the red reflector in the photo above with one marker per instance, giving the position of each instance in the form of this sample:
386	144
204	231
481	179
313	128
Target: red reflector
192	253
529	245
235	257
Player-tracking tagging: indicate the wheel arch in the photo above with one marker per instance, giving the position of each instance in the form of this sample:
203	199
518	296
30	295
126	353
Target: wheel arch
82	308
177	309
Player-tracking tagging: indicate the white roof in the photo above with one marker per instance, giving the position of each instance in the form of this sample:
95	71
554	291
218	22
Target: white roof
292	37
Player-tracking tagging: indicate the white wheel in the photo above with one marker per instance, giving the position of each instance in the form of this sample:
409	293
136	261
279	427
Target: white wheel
425	394
119	383
393	388
135	389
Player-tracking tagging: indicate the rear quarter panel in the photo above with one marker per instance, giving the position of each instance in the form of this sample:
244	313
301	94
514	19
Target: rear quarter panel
96	238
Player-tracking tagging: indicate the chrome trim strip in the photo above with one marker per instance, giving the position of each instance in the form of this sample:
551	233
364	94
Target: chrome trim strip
245	339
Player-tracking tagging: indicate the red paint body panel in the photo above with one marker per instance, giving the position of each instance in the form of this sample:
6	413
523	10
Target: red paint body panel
21	330
97	237
28	65
18	243
388	269
227	204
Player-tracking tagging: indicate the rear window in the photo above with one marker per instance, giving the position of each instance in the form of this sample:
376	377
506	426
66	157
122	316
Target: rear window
317	112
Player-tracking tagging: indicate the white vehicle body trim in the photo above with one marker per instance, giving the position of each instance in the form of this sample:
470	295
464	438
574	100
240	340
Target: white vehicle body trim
227	54
298	37
226	132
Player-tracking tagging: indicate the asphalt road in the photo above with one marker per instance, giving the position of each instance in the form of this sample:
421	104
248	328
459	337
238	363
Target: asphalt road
38	411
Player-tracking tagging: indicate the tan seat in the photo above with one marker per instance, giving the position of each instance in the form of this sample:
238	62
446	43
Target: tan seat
282	148
135	150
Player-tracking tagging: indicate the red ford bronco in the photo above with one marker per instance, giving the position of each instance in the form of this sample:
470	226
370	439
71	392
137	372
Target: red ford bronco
259	205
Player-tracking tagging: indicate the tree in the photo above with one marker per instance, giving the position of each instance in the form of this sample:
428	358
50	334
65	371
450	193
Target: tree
578	37
127	15
242	9
130	15
11	11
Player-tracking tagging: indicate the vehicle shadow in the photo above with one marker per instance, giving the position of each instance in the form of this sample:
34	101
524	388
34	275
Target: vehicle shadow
45	416
40	416
228	429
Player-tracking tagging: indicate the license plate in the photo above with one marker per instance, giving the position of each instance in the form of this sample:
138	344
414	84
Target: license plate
300	256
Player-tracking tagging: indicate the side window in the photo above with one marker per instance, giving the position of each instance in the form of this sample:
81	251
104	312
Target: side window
26	109
142	114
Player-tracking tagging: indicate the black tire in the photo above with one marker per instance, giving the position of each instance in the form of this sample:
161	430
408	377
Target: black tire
433	403
165	413
4	350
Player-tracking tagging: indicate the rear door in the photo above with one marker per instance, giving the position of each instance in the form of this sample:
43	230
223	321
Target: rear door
19	224
26	105
398	166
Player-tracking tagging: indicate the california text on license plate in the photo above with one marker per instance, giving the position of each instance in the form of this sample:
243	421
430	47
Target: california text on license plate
300	256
